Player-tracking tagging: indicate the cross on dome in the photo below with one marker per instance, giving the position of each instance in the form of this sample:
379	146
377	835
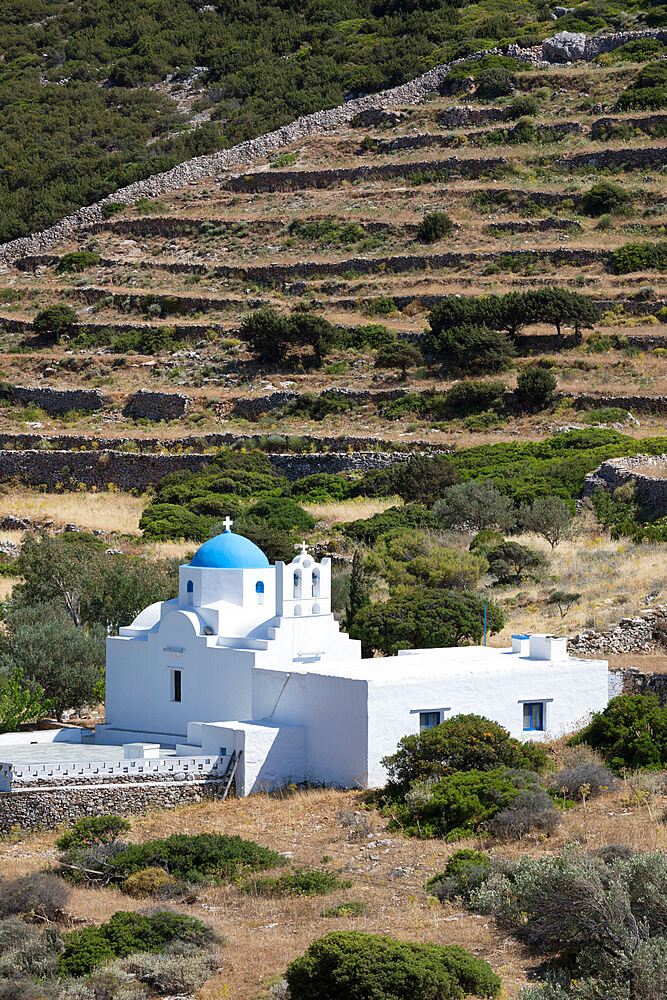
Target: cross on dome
228	523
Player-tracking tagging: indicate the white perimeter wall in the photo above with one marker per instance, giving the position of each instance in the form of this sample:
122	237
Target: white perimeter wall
332	711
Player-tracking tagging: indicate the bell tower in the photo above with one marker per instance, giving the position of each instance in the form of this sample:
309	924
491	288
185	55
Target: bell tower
303	587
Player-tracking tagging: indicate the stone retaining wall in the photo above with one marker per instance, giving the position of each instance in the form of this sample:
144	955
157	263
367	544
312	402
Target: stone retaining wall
30	809
242	155
633	681
628	158
58	400
651	490
642	633
299	180
601	128
130	471
157	405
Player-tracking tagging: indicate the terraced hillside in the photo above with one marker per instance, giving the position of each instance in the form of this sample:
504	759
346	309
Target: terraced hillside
331	228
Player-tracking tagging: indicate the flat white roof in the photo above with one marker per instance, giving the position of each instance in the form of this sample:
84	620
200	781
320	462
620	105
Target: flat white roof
425	663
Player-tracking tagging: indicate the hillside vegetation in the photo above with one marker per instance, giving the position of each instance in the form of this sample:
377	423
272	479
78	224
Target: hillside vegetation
135	87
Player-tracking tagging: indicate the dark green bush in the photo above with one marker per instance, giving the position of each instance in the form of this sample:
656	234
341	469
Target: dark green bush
296	882
162	521
462	743
511	562
93	830
465	871
434	226
474	348
522	105
369	529
631	732
604	197
124	934
398	354
647	91
535	388
349	965
320	488
495	82
55	322
421	478
468	802
640	257
279	514
212	857
76	261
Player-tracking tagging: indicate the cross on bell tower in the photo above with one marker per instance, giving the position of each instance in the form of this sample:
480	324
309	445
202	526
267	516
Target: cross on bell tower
303	547
228	523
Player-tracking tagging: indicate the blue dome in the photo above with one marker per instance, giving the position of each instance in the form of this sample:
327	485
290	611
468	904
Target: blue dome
230	551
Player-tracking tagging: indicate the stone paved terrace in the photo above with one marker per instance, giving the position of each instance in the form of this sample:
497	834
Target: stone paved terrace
64	753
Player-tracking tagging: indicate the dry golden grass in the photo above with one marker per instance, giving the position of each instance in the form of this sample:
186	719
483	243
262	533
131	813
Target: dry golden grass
349	510
388	872
106	511
613	577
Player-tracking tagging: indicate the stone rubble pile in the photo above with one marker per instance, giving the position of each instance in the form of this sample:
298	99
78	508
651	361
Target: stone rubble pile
615	472
643	633
563	47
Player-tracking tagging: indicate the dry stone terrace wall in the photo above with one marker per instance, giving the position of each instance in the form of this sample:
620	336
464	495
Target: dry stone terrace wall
31	810
269	273
652	490
58	400
650	157
298	180
243	155
131	471
157	405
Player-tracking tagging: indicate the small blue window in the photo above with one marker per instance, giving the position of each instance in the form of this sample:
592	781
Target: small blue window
428	720
533	715
259	587
190	587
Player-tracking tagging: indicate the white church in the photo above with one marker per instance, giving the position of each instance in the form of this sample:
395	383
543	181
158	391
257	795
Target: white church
249	661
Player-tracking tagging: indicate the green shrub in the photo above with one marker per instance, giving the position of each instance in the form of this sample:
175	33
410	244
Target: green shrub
434	226
606	415
353	908
474	348
647	91
495	82
604	197
520	106
462	743
369	529
149	882
511	562
203	857
93	830
77	261
383	305
535	388
631	732
421	478
162	521
320	487
349	965
430	618
296	882
55	322
468	802
598	923
640	257
398	354
465	870
280	514
125	933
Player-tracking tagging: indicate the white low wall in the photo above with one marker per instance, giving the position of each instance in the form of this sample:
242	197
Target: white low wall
68	772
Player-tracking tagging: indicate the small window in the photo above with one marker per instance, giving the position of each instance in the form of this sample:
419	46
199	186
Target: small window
428	720
316	583
190	587
297	584
223	751
533	715
176	676
259	590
